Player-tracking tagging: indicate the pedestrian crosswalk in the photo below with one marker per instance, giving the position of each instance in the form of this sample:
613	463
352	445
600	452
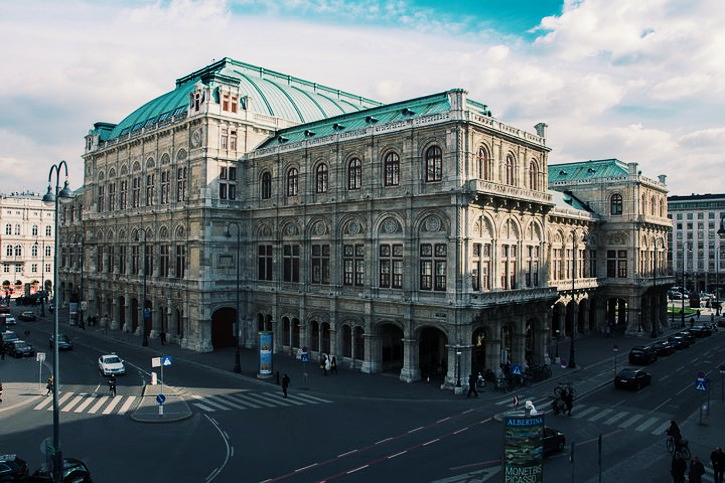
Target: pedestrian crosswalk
243	400
622	418
100	404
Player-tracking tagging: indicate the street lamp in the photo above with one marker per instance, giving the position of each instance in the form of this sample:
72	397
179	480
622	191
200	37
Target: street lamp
556	356
145	312
721	235
42	281
572	361
458	366
237	362
684	285
50	198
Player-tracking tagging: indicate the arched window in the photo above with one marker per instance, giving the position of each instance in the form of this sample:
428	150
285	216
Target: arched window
18	251
48	230
485	170
392	169
354	174
8	229
510	170
653	206
433	164
292	180
266	185
321	179
34	250
9	251
533	175
17	229
615	204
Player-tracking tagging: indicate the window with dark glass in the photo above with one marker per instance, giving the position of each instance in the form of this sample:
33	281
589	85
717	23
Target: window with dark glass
164	261
533	175
611	263
123	201
266	185
485	170
354	174
508	267
135	192
320	264
292	180
353	265
150	186
264	259
165	183
592	264
616	204
476	267
433	164
392	169
622	263
510	165
111	196
181	185
532	266
391	265
110	259
99	259
122	259
101	198
180	261
321	179
291	263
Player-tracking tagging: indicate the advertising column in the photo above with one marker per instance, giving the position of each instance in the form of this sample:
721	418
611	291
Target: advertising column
523	449
265	355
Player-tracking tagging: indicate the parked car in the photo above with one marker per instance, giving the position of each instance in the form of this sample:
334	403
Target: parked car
703	330
642	355
74	471
7	319
679	341
27	316
13	468
554	441
64	343
688	335
20	348
8	337
663	347
4	309
631	378
111	364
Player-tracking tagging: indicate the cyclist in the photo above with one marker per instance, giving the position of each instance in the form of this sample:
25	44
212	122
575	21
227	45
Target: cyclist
112	384
674	432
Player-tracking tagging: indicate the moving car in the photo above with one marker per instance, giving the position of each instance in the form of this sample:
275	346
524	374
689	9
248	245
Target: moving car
7	319
74	471
20	348
111	364
64	343
701	330
554	441
631	378
27	316
7	338
642	354
663	347
13	468
679	341
4	309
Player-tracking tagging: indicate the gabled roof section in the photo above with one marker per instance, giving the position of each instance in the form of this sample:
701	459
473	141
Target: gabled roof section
565	199
587	170
271	94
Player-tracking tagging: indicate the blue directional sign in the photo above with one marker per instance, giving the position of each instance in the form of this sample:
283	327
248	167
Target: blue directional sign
166	361
701	384
160	398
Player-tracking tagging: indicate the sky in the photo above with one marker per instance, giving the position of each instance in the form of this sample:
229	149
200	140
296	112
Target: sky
640	81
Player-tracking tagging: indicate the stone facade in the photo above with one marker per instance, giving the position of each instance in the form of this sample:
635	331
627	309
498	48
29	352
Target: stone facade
423	237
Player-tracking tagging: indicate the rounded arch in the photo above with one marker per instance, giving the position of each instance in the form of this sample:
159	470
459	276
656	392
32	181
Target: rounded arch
112	173
317	227
389	224
351	225
223	321
181	155
432	221
485	227
165	159
136	167
124	170
484	170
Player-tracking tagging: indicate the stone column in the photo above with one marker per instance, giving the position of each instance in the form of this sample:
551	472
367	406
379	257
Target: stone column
411	361
374	362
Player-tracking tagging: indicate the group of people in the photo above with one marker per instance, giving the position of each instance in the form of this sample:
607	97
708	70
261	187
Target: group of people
328	364
696	468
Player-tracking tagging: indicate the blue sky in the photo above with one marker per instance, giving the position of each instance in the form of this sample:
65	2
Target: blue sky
640	81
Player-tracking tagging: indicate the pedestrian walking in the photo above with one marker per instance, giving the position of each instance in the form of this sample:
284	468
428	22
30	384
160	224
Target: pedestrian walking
323	364
49	385
285	384
112	384
697	469
2	350
162	337
472	380
568	397
679	467
333	365
1	391
717	459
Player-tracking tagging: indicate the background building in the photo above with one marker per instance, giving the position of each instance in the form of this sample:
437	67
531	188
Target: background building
423	237
26	244
696	250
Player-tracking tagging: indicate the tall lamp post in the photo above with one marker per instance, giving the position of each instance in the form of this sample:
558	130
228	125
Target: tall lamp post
721	235
237	362
145	312
684	285
42	282
52	198
572	360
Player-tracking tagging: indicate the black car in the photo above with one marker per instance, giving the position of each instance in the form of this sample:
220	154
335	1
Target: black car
642	355
679	341
7	338
20	348
64	343
630	378
74	471
27	316
554	441
13	468
663	347
701	330
687	333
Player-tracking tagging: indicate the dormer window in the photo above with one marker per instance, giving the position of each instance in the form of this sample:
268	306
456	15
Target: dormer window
338	127
229	103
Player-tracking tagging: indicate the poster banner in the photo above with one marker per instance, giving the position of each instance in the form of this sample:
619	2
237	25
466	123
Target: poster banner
265	354
523	449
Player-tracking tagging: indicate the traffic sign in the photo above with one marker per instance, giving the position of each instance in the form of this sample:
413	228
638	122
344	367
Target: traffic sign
701	384
40	356
160	398
516	369
166	361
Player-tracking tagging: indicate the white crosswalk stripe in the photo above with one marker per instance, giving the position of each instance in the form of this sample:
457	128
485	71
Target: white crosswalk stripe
251	400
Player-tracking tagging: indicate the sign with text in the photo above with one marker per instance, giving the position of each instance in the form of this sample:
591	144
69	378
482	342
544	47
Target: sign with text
523	449
265	353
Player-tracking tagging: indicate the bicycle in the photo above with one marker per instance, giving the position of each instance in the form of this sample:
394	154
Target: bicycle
112	387
683	448
562	388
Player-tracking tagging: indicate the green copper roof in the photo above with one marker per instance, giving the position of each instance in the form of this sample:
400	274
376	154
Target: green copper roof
565	199
269	93
587	170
